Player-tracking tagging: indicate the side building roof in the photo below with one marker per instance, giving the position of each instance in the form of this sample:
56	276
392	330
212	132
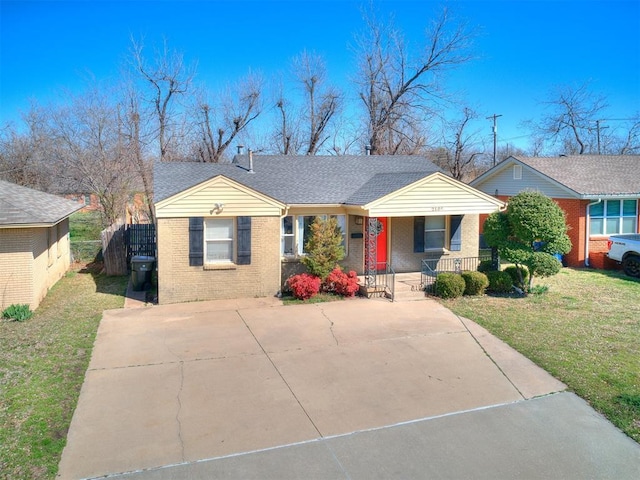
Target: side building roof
23	206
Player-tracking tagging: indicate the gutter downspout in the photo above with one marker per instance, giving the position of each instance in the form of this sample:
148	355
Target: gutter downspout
586	240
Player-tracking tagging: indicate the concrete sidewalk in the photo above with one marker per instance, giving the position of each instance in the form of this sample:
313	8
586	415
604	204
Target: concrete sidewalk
354	389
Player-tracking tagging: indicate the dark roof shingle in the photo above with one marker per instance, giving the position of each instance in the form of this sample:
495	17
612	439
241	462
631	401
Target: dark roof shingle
25	206
591	174
348	179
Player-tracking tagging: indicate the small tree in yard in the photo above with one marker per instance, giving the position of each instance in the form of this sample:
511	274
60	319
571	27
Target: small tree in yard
529	232
324	248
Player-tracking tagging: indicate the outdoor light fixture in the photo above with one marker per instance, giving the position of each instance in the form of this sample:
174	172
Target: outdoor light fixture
358	220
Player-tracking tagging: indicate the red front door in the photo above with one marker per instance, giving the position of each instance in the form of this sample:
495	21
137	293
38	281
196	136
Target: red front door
381	242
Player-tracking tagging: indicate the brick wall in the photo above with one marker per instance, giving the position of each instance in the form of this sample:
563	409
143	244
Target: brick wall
31	262
178	282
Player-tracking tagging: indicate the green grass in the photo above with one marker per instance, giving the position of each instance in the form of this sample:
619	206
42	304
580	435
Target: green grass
85	226
319	298
84	235
42	366
585	331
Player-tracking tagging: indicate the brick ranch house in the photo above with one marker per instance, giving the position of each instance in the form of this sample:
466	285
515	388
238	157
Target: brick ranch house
34	243
599	194
239	229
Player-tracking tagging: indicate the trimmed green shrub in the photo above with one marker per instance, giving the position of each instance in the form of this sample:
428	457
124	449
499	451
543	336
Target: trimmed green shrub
512	270
500	281
449	285
475	283
16	312
486	266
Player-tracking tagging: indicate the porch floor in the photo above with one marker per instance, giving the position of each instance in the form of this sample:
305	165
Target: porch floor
406	288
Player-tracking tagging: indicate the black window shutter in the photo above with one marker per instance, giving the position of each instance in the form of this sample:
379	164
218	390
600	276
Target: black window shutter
196	242
244	240
455	243
418	234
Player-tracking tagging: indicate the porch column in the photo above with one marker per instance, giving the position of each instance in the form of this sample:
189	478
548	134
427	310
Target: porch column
371	252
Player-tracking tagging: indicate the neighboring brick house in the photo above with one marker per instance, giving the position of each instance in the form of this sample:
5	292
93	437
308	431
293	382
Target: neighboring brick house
599	194
239	229
34	243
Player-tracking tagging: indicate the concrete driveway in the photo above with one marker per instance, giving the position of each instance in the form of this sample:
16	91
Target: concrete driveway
353	389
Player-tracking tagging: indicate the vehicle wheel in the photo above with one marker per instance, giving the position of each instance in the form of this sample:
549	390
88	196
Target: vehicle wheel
631	266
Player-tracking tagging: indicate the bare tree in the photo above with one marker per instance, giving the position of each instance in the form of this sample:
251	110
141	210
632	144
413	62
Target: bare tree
570	124
397	91
321	101
220	123
167	78
89	151
461	148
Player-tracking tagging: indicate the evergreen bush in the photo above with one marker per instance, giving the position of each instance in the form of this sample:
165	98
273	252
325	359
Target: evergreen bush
449	285
475	283
500	281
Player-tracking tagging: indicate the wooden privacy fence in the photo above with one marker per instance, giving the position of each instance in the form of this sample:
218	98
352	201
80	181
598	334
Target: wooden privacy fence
120	242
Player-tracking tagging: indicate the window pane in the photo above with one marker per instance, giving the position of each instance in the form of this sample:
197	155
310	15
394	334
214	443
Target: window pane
287	245
304	231
434	223
613	208
434	240
597	210
613	225
597	225
629	225
629	208
219	251
287	225
219	228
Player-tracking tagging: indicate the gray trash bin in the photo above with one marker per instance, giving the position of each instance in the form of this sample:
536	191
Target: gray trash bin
141	268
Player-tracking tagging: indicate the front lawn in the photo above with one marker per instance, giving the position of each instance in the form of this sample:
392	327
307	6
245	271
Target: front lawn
585	331
42	365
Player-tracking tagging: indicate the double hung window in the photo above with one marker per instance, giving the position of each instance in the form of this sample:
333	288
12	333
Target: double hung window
218	240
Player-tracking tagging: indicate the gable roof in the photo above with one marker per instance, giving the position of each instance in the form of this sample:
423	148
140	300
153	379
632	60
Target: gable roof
22	206
586	175
302	180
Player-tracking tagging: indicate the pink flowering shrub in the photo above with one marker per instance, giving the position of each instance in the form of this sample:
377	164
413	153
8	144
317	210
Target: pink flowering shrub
340	283
304	286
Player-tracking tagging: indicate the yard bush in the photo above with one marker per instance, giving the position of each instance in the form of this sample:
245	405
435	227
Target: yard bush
512	270
475	283
486	266
500	281
304	286
449	285
16	312
341	283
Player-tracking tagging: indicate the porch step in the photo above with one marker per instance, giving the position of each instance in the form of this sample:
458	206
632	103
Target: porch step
407	288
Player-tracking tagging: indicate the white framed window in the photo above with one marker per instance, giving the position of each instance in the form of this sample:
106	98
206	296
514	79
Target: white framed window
613	216
296	231
435	232
288	236
218	240
517	172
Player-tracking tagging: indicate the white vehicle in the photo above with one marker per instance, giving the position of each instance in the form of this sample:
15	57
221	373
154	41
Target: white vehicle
626	250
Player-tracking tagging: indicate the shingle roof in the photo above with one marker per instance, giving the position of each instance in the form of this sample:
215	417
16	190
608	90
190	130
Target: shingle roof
348	179
591	174
25	206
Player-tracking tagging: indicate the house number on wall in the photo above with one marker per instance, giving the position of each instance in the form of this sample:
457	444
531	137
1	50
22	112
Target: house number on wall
437	209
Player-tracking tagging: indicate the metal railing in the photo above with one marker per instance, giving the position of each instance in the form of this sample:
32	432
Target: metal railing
432	266
383	281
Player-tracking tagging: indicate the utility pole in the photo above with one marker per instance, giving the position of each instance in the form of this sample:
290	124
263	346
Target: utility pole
598	127
495	134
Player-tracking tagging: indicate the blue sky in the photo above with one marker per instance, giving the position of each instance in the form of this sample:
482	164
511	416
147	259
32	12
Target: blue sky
524	47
